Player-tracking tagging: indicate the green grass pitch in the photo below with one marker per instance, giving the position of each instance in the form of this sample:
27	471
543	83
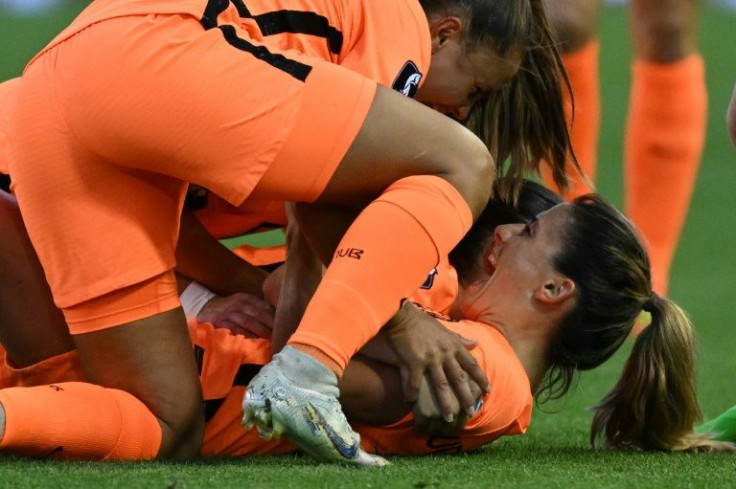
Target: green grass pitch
555	452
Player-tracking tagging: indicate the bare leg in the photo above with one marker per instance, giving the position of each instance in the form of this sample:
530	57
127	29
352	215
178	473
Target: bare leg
154	361
32	328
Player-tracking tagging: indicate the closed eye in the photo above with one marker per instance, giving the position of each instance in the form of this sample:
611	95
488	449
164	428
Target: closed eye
528	227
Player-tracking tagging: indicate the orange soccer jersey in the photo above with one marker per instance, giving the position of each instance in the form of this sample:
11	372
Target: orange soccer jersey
227	362
129	135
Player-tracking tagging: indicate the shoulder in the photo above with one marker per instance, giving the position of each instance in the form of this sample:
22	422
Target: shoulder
388	41
507	409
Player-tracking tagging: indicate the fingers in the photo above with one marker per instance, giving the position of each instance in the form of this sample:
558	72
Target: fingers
264	317
462	386
468	343
470	366
253	301
427	418
240	313
446	399
411	377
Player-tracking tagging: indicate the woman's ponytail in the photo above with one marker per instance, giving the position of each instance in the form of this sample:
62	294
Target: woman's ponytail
654	405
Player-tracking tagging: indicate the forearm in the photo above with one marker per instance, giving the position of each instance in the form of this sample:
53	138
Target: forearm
370	392
201	257
302	274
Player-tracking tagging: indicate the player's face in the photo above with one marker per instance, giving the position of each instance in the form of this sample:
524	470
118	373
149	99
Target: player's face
520	261
459	77
524	254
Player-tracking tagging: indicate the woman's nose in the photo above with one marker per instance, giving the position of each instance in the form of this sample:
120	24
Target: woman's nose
506	231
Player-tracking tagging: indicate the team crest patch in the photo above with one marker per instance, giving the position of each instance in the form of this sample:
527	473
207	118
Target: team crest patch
407	82
430	280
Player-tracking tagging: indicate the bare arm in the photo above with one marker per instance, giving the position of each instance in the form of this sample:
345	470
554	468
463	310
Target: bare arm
201	257
300	277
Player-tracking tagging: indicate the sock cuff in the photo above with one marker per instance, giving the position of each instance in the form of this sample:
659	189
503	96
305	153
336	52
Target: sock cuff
582	56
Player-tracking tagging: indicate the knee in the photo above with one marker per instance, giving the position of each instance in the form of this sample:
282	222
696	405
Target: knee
573	22
473	172
183	431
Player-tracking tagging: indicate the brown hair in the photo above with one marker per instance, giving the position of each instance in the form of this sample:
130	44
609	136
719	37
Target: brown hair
533	199
524	123
654	404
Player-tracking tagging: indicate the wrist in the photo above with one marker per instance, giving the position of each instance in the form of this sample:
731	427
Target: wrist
401	316
193	299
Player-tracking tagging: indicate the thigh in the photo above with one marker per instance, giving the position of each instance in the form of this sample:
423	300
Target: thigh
153	359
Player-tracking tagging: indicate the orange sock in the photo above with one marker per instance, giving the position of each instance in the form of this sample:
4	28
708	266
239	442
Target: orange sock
665	135
581	66
79	421
385	255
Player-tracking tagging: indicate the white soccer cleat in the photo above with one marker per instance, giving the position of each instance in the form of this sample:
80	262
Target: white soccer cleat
313	420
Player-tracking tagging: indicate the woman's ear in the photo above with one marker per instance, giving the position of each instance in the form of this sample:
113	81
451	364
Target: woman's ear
443	29
555	291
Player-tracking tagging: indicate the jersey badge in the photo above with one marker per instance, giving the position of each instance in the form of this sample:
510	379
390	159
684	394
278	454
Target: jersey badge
430	280
407	82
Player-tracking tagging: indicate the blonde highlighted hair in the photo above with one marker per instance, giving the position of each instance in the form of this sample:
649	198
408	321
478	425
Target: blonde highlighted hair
523	124
654	405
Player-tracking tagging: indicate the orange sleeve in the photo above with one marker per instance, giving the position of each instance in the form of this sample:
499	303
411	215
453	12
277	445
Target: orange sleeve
440	289
505	411
390	43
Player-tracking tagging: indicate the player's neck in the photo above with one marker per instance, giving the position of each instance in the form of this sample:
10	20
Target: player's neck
530	340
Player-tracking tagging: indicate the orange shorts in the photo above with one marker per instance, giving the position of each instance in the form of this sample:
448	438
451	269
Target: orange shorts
130	109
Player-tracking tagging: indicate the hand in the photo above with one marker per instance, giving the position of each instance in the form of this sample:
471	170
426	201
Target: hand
241	313
423	345
428	419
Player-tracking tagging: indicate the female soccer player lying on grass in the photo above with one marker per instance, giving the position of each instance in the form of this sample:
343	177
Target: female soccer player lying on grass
541	300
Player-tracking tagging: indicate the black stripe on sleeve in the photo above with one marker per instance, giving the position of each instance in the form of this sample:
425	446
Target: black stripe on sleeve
214	8
291	21
298	70
243	377
211	407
